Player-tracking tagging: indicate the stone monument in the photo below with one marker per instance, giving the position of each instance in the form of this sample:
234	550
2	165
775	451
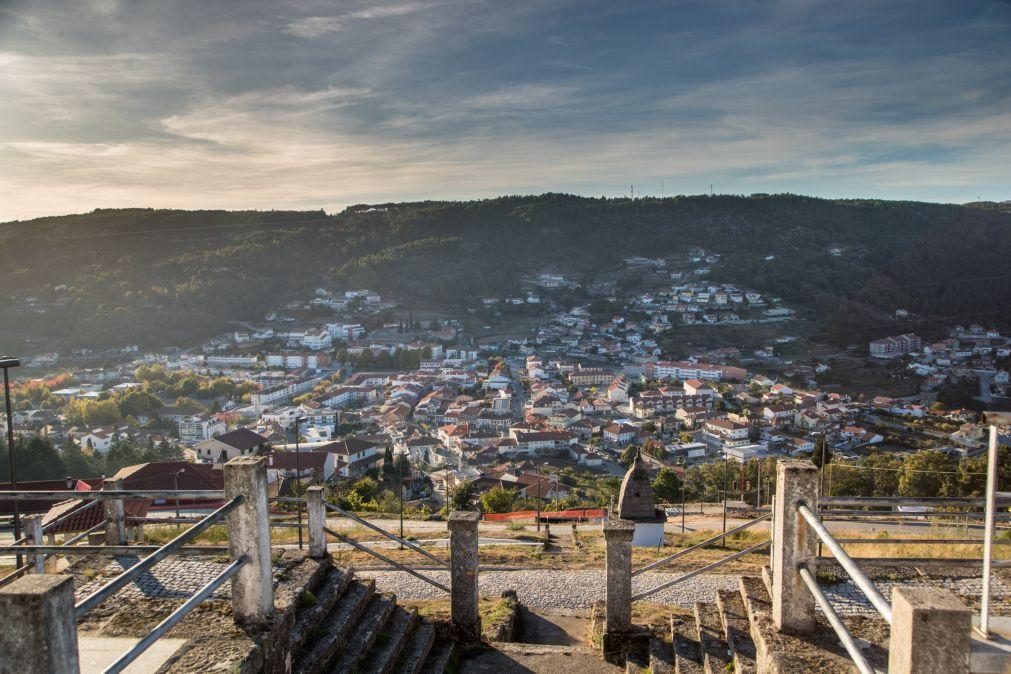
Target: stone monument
638	505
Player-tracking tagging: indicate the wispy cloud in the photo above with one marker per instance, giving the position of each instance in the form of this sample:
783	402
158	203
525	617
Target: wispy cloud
317	26
293	104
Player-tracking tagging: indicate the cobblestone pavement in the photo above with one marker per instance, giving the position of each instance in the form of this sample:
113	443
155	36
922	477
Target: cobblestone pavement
848	599
169	579
548	589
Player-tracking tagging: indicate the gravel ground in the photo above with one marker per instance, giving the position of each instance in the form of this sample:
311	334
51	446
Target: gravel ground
546	589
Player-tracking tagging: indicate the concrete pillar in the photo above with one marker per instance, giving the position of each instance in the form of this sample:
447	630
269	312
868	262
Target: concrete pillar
618	534
39	634
930	632
115	515
33	530
796	545
317	522
463	574
249	536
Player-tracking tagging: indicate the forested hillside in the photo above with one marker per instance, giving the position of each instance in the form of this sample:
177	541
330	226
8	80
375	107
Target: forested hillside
160	277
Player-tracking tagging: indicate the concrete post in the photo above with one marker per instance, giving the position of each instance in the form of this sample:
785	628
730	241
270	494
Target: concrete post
618	534
463	574
930	632
39	634
33	529
249	536
115	515
317	522
796	545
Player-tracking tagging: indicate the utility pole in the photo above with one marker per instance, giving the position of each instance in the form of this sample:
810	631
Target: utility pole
298	480
400	493
538	497
723	541
743	473
6	364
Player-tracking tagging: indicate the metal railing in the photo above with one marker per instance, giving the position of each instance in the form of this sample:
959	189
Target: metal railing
705	543
393	537
859	577
25	543
173	546
705	569
383	558
169	622
837	624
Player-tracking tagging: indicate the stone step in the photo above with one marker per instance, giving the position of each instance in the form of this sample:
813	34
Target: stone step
327	595
365	633
331	631
637	660
661	657
783	652
715	654
416	650
438	658
737	630
390	642
687	651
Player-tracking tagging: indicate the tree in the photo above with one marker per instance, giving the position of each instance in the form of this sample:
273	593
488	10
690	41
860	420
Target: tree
822	454
498	500
667	485
928	473
627	457
463	496
365	489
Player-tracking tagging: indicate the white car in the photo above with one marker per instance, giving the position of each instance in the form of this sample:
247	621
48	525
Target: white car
671	512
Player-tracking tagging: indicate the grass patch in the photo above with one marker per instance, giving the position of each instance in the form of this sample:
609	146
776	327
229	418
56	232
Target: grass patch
307	599
516	526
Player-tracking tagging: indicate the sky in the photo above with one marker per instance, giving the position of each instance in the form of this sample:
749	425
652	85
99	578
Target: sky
303	104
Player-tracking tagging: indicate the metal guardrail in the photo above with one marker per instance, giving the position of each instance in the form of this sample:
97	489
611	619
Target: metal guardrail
173	546
847	563
169	622
833	618
383	558
708	541
103	494
708	567
387	534
897	501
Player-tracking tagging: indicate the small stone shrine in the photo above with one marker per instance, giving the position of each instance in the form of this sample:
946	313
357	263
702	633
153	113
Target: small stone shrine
637	504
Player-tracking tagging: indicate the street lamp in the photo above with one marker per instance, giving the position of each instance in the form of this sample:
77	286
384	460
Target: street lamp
298	478
7	362
175	481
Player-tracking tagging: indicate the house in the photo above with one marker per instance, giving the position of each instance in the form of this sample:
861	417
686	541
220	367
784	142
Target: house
315	466
227	446
697	387
200	427
99	439
617	391
355	455
170	476
620	434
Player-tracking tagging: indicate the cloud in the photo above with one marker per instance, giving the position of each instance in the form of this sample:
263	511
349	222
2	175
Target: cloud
310	27
253	108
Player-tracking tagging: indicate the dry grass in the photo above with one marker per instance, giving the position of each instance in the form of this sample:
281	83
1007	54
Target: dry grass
887	548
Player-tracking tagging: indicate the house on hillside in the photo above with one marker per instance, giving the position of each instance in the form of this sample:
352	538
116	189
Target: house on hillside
227	446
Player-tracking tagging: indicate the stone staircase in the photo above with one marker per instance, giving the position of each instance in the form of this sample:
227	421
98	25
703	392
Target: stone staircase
343	625
735	634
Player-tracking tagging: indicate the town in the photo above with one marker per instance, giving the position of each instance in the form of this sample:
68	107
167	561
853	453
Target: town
348	389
